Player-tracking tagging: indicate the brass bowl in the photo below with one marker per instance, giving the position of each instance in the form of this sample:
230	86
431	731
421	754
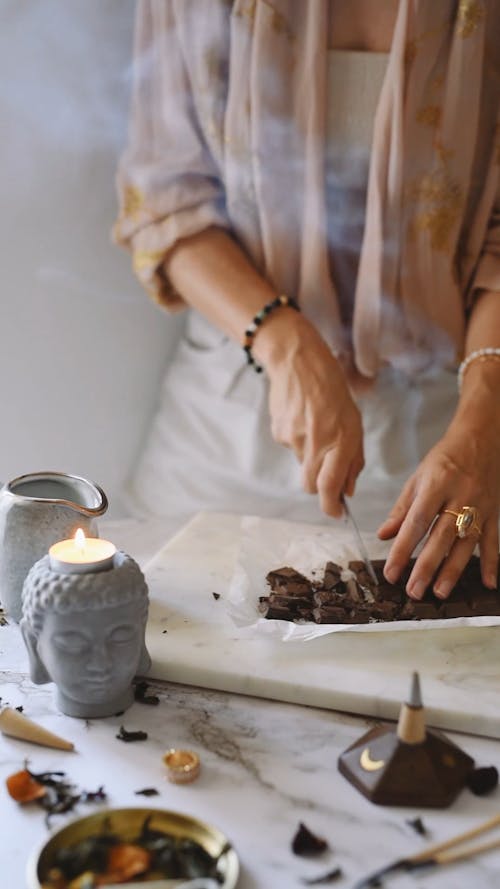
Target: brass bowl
127	824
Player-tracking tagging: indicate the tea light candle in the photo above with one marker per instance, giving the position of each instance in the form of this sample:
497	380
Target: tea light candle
81	555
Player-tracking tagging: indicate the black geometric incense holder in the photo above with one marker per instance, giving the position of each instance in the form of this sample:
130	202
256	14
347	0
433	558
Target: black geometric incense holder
407	765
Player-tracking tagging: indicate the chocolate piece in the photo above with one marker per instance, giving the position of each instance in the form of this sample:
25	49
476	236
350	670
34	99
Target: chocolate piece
331	577
275	612
288	582
325	597
329	614
289	601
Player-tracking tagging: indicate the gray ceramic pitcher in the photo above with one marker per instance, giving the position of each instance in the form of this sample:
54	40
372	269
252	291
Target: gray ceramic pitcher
36	511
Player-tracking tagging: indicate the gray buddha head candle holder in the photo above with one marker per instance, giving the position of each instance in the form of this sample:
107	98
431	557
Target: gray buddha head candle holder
83	624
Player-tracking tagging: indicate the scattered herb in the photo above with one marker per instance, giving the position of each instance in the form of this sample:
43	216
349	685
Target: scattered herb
124	735
329	877
94	796
483	780
51	790
140	695
307	843
418	826
19	709
216	596
148	791
3	620
164	631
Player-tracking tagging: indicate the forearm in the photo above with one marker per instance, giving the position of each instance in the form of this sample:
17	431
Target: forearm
215	277
481	381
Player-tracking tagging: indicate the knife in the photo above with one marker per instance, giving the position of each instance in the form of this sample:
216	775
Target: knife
359	541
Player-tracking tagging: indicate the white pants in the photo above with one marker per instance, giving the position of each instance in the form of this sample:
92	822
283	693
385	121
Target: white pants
210	447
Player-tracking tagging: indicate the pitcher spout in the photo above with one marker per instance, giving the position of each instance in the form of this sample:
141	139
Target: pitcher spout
61	488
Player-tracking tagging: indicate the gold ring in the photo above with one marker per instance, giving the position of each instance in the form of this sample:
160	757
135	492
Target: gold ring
466	521
183	766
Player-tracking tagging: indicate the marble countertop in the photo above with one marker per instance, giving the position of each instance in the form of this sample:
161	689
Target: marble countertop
266	766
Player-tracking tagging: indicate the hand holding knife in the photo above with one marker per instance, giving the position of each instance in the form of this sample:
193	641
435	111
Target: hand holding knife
359	541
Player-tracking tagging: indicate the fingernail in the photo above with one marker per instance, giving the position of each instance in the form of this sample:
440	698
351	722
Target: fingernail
491	581
392	573
417	589
443	589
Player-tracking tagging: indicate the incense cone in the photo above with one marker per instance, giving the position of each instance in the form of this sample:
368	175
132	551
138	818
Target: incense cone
411	725
16	725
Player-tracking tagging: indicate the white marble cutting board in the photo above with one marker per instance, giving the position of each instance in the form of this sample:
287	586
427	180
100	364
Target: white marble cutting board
192	640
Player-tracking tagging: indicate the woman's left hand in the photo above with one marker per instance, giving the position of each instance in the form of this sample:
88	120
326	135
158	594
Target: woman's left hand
462	469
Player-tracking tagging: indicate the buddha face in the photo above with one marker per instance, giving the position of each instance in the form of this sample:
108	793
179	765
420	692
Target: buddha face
91	656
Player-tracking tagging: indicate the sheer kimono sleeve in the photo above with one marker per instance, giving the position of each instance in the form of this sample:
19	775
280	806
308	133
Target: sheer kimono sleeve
487	276
168	182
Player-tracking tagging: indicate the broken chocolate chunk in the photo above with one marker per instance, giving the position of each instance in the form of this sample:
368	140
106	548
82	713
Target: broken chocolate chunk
289	582
307	843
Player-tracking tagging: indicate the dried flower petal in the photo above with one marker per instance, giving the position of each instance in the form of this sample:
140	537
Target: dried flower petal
483	780
306	843
126	861
24	788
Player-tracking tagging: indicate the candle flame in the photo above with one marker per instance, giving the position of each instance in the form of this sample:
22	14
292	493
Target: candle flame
80	539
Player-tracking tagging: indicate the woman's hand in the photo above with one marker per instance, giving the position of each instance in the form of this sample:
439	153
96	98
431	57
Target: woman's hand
462	469
312	411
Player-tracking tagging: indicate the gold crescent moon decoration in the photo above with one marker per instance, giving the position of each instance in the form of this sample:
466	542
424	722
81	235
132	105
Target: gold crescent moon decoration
369	764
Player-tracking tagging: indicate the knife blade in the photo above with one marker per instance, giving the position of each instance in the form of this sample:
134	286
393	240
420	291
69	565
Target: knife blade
359	541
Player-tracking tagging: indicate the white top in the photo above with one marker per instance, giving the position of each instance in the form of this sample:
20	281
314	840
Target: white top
354	83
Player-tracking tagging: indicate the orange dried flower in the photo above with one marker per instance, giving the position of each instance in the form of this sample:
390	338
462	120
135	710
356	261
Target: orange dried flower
126	861
23	788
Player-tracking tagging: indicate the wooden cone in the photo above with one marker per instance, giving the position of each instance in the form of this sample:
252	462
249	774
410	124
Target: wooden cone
411	725
16	725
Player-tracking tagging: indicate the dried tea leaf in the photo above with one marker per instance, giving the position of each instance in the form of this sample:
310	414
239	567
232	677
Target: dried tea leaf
140	695
329	877
307	843
147	791
24	788
216	596
124	735
418	826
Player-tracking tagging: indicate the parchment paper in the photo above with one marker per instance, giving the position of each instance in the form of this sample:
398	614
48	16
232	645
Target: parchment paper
268	544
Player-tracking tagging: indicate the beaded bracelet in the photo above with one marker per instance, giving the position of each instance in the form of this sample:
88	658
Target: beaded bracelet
489	353
256	322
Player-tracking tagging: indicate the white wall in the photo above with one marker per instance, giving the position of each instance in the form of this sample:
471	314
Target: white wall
81	346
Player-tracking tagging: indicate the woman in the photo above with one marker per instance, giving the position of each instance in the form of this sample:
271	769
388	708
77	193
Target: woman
244	159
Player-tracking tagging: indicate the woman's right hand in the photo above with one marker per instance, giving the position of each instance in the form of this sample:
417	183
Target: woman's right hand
312	410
